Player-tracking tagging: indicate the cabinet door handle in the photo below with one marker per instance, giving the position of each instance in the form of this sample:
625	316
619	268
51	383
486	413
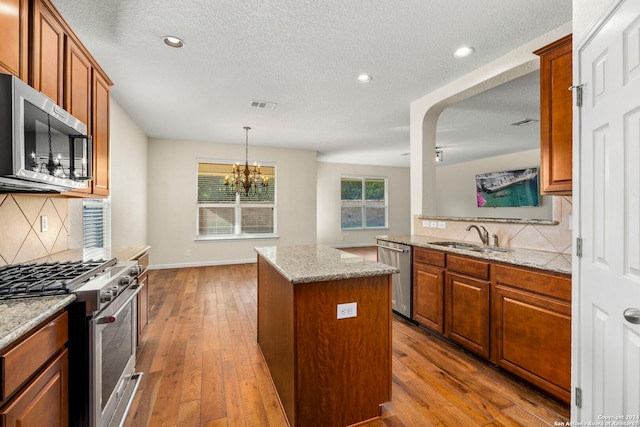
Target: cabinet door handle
632	315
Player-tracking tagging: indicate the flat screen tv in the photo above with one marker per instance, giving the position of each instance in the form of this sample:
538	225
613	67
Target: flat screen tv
508	188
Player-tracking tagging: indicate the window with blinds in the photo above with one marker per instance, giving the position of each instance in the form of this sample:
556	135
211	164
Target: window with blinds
96	223
363	202
222	213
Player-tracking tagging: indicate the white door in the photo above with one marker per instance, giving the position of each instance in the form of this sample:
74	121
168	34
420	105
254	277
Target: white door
608	273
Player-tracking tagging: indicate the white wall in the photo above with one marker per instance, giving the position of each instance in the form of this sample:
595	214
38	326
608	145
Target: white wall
328	183
128	180
456	196
172	175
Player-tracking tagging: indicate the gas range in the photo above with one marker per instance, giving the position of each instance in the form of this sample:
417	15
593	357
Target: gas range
96	282
102	330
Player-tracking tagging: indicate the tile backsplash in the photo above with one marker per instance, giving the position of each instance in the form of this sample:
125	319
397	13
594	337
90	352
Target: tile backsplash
549	238
21	235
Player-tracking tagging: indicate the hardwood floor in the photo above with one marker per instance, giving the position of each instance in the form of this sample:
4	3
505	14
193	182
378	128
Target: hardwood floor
203	367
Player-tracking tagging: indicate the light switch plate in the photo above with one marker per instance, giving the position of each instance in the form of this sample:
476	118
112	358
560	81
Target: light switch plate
442	225
347	310
434	224
44	224
425	224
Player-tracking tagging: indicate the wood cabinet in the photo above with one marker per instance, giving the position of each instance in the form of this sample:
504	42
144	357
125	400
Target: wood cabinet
63	69
556	117
428	288
100	133
47	52
15	38
532	327
518	318
467	303
35	378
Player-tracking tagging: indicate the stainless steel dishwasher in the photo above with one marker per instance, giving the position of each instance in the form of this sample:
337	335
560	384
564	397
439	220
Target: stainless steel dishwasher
398	255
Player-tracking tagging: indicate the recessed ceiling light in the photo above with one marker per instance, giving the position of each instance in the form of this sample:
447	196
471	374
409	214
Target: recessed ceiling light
172	41
364	78
463	52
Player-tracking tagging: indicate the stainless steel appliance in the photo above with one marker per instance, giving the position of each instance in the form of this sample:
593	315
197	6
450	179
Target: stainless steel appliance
398	255
43	148
102	331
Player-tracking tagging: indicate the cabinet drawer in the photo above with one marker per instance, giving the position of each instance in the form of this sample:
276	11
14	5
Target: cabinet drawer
18	364
558	286
426	256
468	266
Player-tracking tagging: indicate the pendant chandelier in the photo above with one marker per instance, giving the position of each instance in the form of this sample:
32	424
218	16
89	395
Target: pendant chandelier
248	181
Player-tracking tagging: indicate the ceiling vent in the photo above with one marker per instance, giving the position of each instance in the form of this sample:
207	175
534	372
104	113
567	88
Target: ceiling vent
263	105
523	122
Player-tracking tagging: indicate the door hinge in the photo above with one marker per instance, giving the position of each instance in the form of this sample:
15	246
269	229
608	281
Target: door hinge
578	89
578	397
579	247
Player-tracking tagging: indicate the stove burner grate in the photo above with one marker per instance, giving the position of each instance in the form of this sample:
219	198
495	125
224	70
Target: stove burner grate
49	278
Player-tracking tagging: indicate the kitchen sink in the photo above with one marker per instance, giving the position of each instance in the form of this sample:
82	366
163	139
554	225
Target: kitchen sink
472	247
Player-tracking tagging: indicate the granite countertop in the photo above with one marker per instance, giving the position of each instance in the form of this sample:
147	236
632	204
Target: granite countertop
317	263
549	261
19	316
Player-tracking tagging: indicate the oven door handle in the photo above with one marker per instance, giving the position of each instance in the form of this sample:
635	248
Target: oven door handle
112	318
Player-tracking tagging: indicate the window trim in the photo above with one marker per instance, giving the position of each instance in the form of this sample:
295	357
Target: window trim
236	205
363	201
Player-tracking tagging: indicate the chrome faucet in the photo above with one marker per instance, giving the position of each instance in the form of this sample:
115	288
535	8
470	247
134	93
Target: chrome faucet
484	234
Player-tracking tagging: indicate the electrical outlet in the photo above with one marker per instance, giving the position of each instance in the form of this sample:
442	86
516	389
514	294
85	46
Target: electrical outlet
425	224
44	223
434	224
347	310
442	225
188	252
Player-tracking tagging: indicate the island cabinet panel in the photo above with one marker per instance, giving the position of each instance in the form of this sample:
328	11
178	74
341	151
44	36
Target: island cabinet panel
275	332
468	311
428	288
328	371
532	327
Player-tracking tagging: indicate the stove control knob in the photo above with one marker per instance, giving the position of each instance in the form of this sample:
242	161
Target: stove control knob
113	290
135	270
106	296
124	281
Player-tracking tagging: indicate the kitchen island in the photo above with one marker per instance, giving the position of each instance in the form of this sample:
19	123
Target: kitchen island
324	328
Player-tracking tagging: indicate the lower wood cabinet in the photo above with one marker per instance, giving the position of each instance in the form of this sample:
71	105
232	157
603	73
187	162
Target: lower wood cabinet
44	401
467	307
428	288
35	378
532	327
516	317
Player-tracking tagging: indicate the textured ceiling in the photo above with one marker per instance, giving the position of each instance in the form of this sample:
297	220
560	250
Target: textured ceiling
303	55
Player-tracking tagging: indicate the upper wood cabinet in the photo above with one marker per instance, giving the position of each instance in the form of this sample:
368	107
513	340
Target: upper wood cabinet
15	38
556	117
63	69
100	133
47	52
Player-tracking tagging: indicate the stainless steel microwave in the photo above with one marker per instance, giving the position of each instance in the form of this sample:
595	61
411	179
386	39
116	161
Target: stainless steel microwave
43	148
